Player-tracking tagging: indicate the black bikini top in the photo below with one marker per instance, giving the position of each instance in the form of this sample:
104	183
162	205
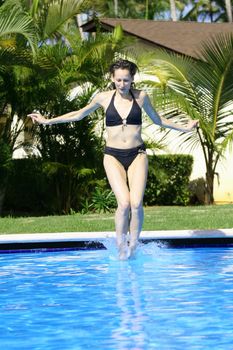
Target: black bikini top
113	118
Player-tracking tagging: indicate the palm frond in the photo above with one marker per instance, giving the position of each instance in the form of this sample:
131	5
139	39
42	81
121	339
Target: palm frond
227	141
176	72
10	56
218	52
58	13
15	22
202	89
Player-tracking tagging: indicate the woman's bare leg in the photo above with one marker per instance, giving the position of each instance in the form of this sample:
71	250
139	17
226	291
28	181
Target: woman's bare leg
117	179
137	176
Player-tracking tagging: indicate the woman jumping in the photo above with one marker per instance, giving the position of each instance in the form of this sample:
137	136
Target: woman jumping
125	158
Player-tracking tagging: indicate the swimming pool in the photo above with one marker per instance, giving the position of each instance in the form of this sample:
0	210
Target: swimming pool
165	299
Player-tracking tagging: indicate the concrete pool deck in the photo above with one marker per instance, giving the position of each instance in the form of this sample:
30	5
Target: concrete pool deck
87	240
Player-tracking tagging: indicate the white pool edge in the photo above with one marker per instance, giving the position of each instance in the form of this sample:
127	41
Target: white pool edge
99	236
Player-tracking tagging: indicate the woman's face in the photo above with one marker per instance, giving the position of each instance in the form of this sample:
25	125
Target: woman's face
122	80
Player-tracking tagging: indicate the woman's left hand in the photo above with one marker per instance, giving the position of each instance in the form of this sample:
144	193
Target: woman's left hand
192	124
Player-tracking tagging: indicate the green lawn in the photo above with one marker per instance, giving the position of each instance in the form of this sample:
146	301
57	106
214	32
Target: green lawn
156	218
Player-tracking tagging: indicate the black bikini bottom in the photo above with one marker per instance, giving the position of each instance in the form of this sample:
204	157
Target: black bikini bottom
125	156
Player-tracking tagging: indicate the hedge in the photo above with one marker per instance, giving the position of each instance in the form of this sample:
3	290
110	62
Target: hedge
31	190
27	190
168	180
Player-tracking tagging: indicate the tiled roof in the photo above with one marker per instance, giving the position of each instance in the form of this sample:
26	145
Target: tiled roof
182	37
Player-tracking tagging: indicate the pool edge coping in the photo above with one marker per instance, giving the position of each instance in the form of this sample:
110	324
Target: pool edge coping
99	236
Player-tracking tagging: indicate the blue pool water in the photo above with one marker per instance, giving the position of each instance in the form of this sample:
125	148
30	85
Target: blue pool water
165	299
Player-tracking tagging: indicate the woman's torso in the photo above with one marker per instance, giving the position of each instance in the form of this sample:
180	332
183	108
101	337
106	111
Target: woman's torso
123	119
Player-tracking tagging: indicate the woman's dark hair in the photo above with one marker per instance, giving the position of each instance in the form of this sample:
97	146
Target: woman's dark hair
124	64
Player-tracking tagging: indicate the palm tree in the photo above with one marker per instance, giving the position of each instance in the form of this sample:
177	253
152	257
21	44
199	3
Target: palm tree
200	90
25	28
72	151
61	60
16	26
153	9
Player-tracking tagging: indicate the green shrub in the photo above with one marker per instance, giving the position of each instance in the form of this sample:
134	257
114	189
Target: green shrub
101	199
5	162
45	188
168	180
27	190
5	169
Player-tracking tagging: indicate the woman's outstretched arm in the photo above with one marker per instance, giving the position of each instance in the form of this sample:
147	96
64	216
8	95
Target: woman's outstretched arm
68	117
163	122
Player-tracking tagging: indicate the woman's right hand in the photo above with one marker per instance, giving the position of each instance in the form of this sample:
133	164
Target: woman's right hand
38	118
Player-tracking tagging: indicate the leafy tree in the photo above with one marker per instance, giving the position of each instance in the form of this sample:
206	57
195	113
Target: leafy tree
211	11
201	90
70	152
73	152
153	9
25	27
5	167
16	27
38	53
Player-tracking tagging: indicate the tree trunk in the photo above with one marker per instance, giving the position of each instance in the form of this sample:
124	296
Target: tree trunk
209	193
173	10
116	8
228	10
147	10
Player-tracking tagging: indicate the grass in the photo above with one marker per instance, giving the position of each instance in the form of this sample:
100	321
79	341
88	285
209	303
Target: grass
156	218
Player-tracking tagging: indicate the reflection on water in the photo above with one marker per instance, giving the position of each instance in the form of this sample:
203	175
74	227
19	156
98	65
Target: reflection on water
132	317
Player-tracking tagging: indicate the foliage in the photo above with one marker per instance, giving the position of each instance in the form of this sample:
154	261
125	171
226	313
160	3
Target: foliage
27	190
153	9
207	11
168	180
5	163
5	169
102	201
72	153
41	58
38	52
200	90
42	78
47	188
198	10
20	41
16	26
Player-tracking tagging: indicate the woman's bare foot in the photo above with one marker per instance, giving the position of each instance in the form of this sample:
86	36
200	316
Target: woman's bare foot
132	251
123	252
